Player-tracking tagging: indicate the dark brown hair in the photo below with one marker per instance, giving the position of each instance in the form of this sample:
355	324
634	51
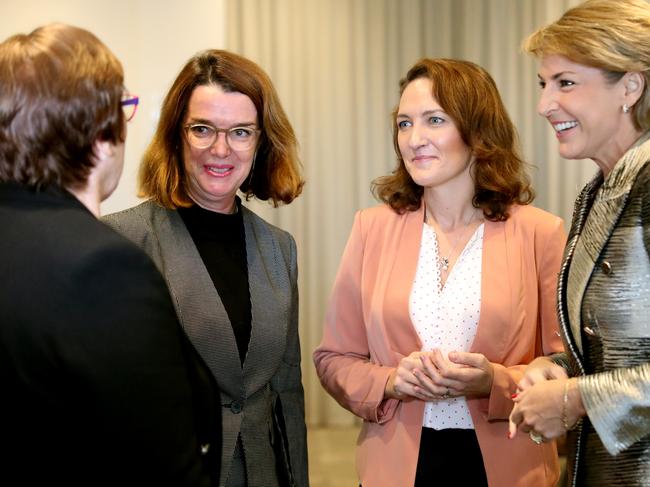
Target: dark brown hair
60	92
276	172
468	94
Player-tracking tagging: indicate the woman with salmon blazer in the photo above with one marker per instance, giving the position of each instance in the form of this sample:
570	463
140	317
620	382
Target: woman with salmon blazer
444	294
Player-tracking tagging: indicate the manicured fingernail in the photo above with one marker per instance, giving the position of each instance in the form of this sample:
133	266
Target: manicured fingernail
509	435
514	396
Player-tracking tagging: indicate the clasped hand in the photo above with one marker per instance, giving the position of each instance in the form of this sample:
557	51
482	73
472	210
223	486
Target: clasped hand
539	401
430	376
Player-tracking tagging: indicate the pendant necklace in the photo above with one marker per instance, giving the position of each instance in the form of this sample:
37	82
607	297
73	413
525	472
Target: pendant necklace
443	261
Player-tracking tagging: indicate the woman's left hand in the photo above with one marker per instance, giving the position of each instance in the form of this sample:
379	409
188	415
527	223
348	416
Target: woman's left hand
540	409
463	374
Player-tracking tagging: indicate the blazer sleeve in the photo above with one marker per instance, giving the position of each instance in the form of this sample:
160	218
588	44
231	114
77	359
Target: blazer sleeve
550	240
130	353
342	359
287	383
618	405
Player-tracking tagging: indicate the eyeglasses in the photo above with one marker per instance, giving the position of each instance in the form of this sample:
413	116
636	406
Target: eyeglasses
202	136
129	105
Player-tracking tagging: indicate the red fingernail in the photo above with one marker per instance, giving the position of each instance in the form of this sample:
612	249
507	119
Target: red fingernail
514	396
509	435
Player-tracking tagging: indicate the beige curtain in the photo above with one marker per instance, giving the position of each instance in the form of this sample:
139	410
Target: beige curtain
336	65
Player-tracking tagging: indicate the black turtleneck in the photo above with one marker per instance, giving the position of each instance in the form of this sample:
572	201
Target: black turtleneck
221	242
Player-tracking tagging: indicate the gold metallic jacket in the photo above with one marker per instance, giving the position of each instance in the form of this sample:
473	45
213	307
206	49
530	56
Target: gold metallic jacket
604	306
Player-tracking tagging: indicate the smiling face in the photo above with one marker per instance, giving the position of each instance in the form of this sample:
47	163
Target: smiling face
213	175
585	110
429	141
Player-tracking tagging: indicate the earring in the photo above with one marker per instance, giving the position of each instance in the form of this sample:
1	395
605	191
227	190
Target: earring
626	109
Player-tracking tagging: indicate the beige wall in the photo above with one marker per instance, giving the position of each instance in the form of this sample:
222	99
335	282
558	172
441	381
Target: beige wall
152	38
336	65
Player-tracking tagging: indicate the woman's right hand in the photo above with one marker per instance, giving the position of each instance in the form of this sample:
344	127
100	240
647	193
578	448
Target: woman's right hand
540	370
403	383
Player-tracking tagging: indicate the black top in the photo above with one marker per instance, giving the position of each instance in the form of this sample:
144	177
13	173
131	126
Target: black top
221	242
94	366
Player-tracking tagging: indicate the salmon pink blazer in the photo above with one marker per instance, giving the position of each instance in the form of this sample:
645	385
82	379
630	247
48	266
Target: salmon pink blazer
368	330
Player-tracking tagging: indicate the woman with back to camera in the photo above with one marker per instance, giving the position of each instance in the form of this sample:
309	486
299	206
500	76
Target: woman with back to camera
444	293
100	385
233	275
594	72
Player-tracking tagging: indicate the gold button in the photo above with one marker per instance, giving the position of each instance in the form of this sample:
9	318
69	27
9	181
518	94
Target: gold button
606	267
589	331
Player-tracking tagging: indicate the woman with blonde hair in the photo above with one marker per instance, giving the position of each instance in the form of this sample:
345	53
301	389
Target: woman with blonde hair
222	130
594	73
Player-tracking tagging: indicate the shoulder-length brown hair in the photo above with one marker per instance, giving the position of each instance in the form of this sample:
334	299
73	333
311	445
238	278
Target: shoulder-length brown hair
468	94
60	92
276	174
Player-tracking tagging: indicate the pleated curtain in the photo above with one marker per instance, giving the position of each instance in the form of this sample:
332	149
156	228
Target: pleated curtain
336	65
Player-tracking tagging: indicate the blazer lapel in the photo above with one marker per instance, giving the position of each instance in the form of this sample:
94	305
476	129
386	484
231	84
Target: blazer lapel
588	243
597	228
270	292
393	287
580	212
500	288
198	305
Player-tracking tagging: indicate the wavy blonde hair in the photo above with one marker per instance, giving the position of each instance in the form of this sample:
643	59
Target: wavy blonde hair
612	35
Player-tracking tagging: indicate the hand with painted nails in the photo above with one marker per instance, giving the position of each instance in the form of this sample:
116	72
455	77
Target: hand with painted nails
541	408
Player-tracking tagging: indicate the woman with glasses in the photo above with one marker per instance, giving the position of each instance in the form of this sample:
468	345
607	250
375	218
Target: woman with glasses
222	131
100	385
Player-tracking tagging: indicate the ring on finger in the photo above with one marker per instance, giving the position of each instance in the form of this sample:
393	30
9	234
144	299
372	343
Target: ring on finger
536	437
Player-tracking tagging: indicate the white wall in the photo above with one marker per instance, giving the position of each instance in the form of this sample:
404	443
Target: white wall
152	38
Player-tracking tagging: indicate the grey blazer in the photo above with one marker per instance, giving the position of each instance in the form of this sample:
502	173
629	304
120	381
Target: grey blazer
266	392
604	305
